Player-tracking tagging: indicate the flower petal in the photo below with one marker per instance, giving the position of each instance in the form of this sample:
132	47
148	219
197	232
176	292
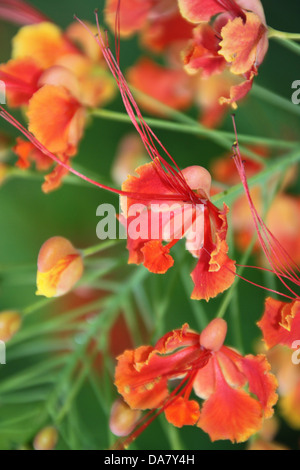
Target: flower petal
61	278
21	78
150	179
238	92
197	11
240	42
165	31
183	412
203	52
182	337
172	87
204	383
43	41
230	413
141	389
53	181
261	382
156	257
213	273
28	153
133	13
280	323
56	119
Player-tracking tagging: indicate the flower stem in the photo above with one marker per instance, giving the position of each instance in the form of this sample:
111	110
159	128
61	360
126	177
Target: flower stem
37	306
275	100
229	294
93	250
274	33
195	129
212	134
291	45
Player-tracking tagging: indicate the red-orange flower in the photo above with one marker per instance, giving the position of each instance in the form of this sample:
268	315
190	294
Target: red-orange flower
217	374
168	207
280	323
232	35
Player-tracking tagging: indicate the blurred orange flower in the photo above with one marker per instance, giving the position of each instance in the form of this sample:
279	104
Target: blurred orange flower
57	76
288	376
173	87
231	36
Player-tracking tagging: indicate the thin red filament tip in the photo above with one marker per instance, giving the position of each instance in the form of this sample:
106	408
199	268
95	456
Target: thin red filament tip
281	263
150	140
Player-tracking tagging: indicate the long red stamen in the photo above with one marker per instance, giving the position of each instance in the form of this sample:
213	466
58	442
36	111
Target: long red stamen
142	196
183	389
281	263
174	177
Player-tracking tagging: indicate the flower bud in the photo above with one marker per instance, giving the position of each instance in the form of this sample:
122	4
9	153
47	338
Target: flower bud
213	336
46	439
60	266
10	322
122	418
198	179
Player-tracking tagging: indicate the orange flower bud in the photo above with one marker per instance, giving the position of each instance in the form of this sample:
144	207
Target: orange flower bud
10	323
46	439
213	336
60	267
122	418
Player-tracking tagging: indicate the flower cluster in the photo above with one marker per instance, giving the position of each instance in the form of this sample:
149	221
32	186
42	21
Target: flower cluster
212	50
56	77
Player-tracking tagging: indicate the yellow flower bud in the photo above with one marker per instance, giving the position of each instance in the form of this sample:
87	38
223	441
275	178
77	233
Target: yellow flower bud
60	266
10	322
46	439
